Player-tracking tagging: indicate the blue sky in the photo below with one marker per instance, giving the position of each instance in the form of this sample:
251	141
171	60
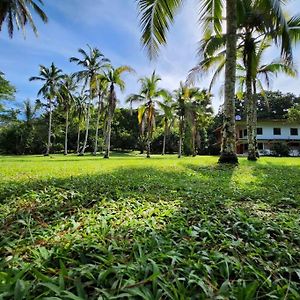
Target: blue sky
113	27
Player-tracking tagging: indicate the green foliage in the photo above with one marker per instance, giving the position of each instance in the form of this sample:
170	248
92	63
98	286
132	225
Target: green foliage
81	228
7	90
280	149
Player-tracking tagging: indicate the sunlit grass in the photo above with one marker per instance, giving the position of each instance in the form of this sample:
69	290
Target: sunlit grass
160	228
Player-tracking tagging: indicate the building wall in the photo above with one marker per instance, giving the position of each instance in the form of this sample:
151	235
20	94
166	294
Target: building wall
268	131
267	137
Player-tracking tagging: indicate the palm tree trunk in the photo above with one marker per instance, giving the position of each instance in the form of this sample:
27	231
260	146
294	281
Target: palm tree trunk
164	141
108	134
78	139
255	117
180	138
66	132
228	148
97	127
86	129
194	142
49	129
148	147
250	117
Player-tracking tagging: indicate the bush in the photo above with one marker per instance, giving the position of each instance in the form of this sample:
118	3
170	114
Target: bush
280	149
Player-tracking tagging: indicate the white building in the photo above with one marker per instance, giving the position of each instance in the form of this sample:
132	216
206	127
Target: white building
268	133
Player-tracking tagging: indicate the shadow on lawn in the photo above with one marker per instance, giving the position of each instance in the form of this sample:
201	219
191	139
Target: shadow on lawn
133	223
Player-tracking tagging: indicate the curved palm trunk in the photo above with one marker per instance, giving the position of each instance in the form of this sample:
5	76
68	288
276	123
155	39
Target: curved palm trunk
66	133
97	125
228	148
255	117
49	129
86	128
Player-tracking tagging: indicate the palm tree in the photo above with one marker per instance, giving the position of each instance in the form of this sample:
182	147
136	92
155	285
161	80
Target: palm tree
167	107
155	20
50	77
102	92
66	100
114	78
252	77
250	50
17	13
191	103
92	62
148	95
80	112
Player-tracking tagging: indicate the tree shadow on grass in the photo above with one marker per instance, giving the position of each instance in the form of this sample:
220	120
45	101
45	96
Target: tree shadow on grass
146	231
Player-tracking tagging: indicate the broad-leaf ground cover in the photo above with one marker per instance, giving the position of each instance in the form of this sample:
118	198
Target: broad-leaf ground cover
160	228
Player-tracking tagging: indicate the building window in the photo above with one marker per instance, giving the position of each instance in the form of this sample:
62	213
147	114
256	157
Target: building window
277	131
260	146
259	131
241	134
294	131
245	132
246	147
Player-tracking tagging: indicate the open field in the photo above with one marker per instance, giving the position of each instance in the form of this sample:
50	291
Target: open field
160	228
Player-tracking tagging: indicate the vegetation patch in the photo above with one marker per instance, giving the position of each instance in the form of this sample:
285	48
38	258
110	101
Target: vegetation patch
165	228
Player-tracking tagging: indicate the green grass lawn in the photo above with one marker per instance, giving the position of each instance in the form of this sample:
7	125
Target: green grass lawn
160	228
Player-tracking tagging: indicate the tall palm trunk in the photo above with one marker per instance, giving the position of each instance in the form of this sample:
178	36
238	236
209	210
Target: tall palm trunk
180	137
250	117
149	131
254	95
49	128
228	148
97	124
66	132
87	125
111	108
78	139
165	138
108	135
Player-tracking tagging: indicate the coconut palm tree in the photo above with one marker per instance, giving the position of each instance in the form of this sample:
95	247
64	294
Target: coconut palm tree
250	52
18	13
251	79
114	78
66	99
50	77
102	92
191	104
167	107
92	62
148	95
80	113
155	20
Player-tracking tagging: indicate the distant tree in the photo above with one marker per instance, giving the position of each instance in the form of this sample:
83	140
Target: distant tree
102	90
80	109
18	13
148	95
51	78
66	100
114	78
92	62
167	107
294	114
7	90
